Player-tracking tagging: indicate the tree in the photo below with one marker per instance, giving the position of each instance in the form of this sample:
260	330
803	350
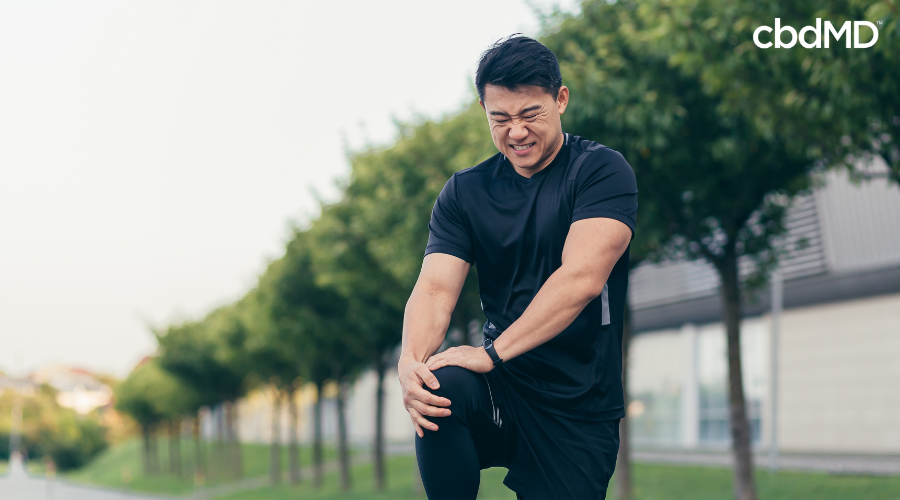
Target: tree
373	240
719	183
840	104
275	362
173	400
312	322
374	300
206	355
138	396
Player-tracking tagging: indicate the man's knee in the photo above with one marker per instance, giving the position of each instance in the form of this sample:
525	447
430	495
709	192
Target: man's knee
458	385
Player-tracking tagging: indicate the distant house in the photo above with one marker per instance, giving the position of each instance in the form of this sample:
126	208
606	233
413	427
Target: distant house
839	345
77	389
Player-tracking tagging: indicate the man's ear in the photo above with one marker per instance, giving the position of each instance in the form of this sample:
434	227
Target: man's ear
562	99
482	104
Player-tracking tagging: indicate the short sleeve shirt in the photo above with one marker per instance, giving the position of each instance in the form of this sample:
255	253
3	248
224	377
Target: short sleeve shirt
513	229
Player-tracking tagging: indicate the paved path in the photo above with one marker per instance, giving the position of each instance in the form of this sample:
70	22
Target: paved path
18	485
834	464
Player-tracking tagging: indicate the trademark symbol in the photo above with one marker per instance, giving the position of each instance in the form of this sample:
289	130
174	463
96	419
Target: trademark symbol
880	22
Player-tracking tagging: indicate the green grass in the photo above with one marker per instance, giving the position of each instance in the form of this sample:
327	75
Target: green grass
400	477
652	482
121	467
3	467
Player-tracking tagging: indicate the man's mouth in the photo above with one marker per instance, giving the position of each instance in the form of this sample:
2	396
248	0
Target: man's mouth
522	147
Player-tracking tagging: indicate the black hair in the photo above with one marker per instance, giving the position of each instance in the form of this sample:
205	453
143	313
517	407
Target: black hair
518	60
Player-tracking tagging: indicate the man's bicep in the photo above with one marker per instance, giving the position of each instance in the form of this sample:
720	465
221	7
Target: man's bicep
442	277
595	244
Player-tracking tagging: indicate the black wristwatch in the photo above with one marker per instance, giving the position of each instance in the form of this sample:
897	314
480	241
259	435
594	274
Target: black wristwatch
489	347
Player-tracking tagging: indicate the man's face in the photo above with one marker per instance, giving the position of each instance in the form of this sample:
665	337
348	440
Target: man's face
525	124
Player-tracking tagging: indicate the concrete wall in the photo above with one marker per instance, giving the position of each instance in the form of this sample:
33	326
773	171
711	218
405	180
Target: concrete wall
255	423
397	425
840	377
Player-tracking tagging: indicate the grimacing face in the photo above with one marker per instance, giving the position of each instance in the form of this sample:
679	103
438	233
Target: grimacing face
525	124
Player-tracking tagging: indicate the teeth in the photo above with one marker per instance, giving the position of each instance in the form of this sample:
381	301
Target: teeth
525	146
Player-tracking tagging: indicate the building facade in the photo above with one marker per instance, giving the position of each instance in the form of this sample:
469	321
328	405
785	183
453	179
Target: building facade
838	342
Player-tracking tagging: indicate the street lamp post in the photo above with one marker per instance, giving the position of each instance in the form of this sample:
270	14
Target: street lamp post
777	305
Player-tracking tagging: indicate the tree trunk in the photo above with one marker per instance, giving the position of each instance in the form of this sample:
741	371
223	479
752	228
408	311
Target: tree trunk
199	458
343	452
317	437
623	466
275	449
145	449
744	485
293	446
152	451
221	463
175	447
378	445
235	465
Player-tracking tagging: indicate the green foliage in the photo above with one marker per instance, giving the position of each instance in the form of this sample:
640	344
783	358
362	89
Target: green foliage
206	355
150	395
711	181
311	319
834	104
71	440
52	431
392	190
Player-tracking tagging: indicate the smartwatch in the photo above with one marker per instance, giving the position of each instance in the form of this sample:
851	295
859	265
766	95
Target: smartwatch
489	347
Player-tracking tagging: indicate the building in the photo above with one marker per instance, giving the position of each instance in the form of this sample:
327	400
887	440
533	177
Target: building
838	382
77	389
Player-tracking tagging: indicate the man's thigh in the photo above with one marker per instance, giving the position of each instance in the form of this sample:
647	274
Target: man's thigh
563	458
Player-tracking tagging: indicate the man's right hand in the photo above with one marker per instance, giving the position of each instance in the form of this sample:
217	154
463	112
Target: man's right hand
417	400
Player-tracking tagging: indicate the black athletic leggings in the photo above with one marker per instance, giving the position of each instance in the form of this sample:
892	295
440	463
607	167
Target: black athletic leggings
472	438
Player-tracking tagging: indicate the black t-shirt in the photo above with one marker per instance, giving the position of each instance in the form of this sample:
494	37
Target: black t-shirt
513	228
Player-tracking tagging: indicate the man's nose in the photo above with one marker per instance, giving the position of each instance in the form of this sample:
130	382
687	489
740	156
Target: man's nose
518	132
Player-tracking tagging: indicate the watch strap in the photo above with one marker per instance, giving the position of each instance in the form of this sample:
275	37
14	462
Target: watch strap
489	348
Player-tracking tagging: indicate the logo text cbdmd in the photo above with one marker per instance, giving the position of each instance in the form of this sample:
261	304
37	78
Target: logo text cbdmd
817	31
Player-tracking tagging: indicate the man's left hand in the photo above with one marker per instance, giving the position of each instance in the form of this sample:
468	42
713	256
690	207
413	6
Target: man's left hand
474	359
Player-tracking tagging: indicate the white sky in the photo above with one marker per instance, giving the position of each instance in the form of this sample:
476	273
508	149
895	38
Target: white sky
153	153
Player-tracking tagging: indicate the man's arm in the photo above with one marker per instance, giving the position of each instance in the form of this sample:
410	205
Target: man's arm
425	324
592	248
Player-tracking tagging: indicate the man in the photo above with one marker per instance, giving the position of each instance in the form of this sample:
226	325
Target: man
547	222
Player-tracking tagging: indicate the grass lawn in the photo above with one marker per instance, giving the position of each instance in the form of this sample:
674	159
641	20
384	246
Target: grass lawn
652	482
2	467
120	466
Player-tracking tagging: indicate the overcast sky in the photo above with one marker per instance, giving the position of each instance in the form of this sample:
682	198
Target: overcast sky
152	154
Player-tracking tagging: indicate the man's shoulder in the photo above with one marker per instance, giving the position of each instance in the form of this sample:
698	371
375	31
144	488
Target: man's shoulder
599	156
476	172
581	145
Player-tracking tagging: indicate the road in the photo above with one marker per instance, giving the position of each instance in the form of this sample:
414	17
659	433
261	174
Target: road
18	485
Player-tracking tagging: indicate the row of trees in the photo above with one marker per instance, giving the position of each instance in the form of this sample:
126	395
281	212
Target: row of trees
721	136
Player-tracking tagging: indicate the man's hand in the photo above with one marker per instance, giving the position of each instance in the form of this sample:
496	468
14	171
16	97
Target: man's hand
418	401
474	359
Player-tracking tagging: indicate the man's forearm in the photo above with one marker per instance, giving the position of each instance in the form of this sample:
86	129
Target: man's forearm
559	301
425	323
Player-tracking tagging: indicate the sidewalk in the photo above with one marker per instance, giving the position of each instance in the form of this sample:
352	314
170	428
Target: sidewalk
832	464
